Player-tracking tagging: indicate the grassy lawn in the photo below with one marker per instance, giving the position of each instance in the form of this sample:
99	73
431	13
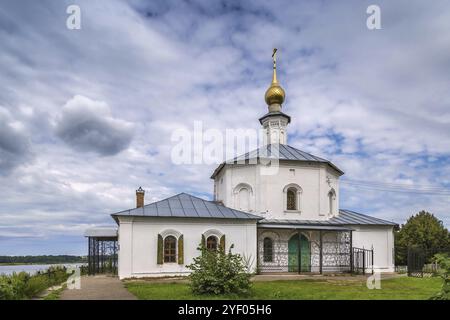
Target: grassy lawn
403	288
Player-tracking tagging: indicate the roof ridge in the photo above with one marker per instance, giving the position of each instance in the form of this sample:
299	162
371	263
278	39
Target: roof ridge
238	214
154	202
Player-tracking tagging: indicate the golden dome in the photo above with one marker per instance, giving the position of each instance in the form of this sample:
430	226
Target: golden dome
275	93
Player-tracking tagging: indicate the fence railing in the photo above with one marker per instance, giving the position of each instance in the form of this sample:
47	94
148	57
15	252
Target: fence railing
102	255
335	259
362	261
420	261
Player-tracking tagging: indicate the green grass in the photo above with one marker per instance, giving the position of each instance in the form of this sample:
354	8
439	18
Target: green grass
403	288
54	295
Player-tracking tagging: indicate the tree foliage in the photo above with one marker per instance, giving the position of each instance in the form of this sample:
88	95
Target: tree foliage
423	230
218	272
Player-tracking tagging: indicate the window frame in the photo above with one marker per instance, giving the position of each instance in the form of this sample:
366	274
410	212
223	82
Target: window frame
298	191
331	201
291	192
167	257
216	242
266	256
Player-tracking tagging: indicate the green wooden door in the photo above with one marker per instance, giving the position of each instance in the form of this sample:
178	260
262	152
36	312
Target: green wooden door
305	252
293	254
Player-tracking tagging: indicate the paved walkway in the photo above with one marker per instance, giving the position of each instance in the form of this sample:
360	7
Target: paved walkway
98	288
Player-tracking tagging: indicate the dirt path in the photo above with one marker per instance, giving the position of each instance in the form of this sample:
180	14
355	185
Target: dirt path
98	288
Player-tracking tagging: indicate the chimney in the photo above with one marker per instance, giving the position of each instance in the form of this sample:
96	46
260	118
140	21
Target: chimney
140	197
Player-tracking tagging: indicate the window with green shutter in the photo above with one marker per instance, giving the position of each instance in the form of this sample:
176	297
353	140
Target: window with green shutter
222	242
159	257
180	250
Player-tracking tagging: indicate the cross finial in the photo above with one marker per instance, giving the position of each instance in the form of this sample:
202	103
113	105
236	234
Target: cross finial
274	57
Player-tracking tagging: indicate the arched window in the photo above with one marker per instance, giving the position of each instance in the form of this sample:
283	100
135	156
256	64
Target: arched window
331	200
170	249
268	250
291	199
211	243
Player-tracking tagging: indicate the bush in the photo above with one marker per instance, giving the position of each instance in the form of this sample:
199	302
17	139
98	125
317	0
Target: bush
23	286
217	272
443	262
35	285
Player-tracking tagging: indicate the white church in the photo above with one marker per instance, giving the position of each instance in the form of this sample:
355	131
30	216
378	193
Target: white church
287	222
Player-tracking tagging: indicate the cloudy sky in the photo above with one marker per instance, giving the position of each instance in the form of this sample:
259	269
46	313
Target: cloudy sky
86	116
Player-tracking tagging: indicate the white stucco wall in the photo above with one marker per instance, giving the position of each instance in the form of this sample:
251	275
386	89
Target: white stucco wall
138	241
267	197
381	238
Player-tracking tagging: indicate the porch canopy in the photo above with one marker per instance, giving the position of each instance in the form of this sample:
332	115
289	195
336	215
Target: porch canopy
102	250
302	226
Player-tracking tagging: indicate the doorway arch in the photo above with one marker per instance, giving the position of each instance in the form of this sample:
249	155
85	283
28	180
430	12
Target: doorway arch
299	249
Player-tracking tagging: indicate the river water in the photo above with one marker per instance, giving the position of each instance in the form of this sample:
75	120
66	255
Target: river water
32	268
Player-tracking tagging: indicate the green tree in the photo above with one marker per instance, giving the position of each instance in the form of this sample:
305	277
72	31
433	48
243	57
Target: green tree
422	230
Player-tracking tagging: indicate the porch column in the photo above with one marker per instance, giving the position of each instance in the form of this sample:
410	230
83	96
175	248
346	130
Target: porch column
351	251
299	246
257	253
320	251
89	256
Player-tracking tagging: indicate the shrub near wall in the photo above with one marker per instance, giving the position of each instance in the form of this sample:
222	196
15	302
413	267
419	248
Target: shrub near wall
217	272
21	285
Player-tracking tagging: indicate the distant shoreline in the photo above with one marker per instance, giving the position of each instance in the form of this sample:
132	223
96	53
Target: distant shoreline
38	263
40	259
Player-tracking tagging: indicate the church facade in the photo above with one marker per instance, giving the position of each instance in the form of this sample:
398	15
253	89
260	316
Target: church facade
287	220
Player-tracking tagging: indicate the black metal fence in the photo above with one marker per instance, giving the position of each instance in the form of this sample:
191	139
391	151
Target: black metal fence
420	261
362	261
102	255
298	262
